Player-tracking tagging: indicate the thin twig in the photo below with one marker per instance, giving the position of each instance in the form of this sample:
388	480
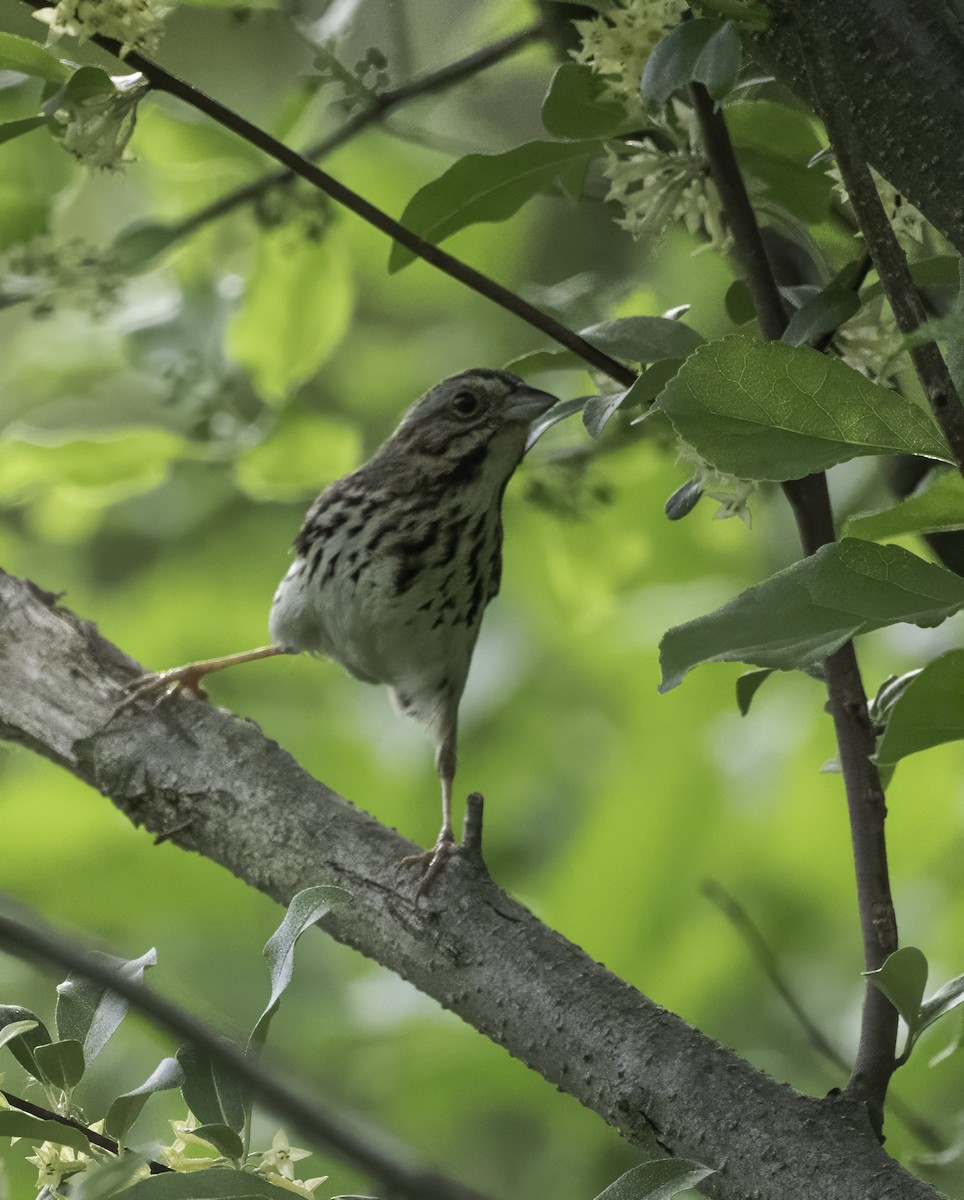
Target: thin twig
767	960
810	501
382	104
895	276
95	1138
49	949
163	80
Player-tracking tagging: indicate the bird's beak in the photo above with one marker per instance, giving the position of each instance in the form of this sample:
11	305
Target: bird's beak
528	403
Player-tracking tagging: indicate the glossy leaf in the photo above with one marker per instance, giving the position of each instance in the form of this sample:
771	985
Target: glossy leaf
659	1179
15	1029
775	146
212	1091
490	187
940	270
29	58
937	505
944	1000
769	411
705	50
599	410
61	1062
14	1123
283	343
305	909
576	105
644	339
683	500
799	616
928	711
125	1110
32	1033
90	1012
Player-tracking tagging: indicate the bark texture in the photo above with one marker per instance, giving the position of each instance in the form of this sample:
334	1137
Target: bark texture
212	783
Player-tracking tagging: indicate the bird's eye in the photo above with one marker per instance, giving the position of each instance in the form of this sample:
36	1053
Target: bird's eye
466	404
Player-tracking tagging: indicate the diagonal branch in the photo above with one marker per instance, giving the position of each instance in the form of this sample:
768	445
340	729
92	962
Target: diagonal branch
165	81
214	784
810	501
382	104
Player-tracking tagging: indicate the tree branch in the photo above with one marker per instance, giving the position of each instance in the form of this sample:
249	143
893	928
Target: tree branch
163	80
215	785
811	506
383	104
323	1127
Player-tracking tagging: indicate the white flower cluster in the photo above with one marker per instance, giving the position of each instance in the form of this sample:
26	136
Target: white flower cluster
97	128
871	343
136	24
47	273
617	44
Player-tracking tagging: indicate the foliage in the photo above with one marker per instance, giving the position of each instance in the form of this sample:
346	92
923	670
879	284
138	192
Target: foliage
226	343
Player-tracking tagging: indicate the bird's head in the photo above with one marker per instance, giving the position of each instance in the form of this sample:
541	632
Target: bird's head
473	425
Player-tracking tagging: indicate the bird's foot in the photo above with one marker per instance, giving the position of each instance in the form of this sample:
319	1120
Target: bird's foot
157	687
433	861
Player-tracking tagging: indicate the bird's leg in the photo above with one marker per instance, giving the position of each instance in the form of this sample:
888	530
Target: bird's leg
165	683
432	861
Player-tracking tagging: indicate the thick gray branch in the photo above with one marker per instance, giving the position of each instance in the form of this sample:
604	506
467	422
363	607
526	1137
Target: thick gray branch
896	75
213	783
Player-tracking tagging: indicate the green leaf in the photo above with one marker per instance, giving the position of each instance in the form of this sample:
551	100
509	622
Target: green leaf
902	979
37	1129
302	452
944	1000
644	339
103	1180
15	1029
294	312
936	506
90	1012
25	1043
576	105
747	687
23	55
799	616
941	270
223	1139
768	411
216	1183
739	303
658	1179
125	1110
821	314
775	146
599	410
14	129
928	711
212	1091
705	50
305	909
489	187
61	1062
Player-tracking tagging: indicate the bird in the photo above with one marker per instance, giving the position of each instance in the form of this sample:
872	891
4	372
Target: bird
396	562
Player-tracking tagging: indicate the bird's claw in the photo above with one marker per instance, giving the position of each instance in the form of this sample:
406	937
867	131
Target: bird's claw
156	687
432	861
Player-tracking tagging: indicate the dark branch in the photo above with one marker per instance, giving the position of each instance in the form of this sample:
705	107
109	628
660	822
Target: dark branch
904	300
95	1138
163	80
52	950
811	506
382	104
225	791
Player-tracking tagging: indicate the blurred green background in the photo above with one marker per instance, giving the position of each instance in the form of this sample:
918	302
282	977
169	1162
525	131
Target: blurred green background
155	463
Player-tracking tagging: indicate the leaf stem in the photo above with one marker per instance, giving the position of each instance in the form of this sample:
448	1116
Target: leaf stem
810	502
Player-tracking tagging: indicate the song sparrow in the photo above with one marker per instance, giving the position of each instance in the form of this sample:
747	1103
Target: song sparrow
395	563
